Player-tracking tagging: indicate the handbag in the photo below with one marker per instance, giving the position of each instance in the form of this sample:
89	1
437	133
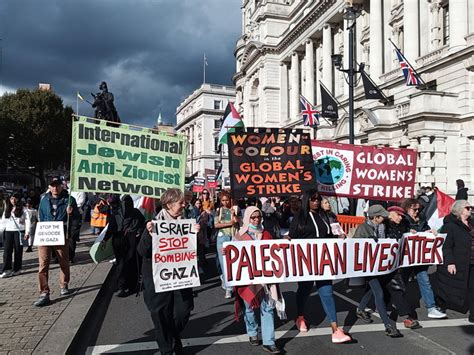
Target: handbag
19	231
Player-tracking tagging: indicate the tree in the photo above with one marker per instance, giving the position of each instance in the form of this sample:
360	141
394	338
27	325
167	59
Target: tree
35	131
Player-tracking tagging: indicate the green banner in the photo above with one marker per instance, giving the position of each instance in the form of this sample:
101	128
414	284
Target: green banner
125	161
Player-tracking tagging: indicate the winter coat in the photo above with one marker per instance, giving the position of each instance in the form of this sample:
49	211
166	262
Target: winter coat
126	225
453	289
55	210
420	226
302	227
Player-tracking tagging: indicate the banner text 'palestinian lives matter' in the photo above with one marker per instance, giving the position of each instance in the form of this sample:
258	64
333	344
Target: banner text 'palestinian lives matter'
174	255
359	171
125	161
276	261
270	163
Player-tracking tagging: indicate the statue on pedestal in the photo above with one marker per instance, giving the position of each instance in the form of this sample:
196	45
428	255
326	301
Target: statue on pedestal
104	104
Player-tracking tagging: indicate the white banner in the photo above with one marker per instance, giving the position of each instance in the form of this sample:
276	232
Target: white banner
49	234
277	261
174	255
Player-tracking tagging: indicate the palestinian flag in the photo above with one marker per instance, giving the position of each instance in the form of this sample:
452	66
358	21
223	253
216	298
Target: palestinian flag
438	208
231	121
147	205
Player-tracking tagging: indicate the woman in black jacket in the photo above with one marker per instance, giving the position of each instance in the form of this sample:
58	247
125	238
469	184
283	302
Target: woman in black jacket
456	276
169	310
307	224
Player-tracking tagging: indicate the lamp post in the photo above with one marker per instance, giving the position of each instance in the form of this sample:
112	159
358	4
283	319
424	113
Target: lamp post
350	16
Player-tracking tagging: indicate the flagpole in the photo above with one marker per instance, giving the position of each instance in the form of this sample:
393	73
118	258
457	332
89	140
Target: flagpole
411	66
77	103
204	69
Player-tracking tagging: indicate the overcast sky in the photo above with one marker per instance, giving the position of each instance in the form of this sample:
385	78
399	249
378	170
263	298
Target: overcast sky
150	52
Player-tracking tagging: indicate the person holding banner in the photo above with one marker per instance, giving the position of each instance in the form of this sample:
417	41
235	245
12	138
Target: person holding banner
56	206
308	223
265	297
394	229
16	224
416	223
373	228
169	310
225	222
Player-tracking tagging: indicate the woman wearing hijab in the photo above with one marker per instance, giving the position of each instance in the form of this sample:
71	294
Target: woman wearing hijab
169	310
265	297
126	225
307	224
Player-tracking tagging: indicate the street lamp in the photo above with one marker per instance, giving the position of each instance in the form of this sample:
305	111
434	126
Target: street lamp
350	16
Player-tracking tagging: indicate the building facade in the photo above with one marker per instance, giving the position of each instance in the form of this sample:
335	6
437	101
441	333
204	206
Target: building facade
199	118
285	50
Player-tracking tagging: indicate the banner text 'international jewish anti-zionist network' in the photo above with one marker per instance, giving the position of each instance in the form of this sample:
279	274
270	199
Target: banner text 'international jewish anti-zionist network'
125	161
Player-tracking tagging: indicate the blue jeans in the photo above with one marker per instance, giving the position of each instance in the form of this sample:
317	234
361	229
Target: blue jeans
266	318
220	257
425	287
325	294
377	292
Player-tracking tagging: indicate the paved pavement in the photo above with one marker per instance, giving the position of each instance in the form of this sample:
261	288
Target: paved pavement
25	329
123	325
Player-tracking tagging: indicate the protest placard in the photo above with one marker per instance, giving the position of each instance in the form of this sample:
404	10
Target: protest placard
198	184
358	171
49	234
276	261
211	181
174	255
125	161
273	162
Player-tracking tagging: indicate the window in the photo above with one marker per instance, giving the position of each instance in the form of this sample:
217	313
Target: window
217	164
445	10
217	104
216	144
217	124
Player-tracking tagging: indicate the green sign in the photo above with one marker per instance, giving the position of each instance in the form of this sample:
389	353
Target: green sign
125	161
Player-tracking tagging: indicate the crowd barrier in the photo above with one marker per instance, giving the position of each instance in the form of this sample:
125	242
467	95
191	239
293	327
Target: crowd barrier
349	222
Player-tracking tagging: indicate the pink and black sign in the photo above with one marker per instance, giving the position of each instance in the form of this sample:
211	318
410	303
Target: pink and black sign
360	171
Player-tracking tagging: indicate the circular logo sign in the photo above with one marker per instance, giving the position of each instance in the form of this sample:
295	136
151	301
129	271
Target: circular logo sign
329	170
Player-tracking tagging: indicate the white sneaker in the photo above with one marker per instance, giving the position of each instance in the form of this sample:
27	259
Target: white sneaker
228	294
16	273
6	274
436	313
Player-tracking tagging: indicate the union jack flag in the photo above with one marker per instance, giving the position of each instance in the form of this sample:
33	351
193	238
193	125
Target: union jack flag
309	113
412	79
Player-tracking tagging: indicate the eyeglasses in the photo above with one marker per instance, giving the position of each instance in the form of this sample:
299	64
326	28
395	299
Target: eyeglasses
469	208
255	217
416	209
205	193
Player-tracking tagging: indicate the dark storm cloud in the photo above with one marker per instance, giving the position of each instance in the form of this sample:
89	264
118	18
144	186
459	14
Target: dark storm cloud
150	52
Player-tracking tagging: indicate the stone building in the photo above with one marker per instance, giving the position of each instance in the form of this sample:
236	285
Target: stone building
199	118
286	47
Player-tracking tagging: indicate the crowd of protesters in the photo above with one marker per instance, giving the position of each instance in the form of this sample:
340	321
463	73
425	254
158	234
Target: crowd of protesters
219	219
